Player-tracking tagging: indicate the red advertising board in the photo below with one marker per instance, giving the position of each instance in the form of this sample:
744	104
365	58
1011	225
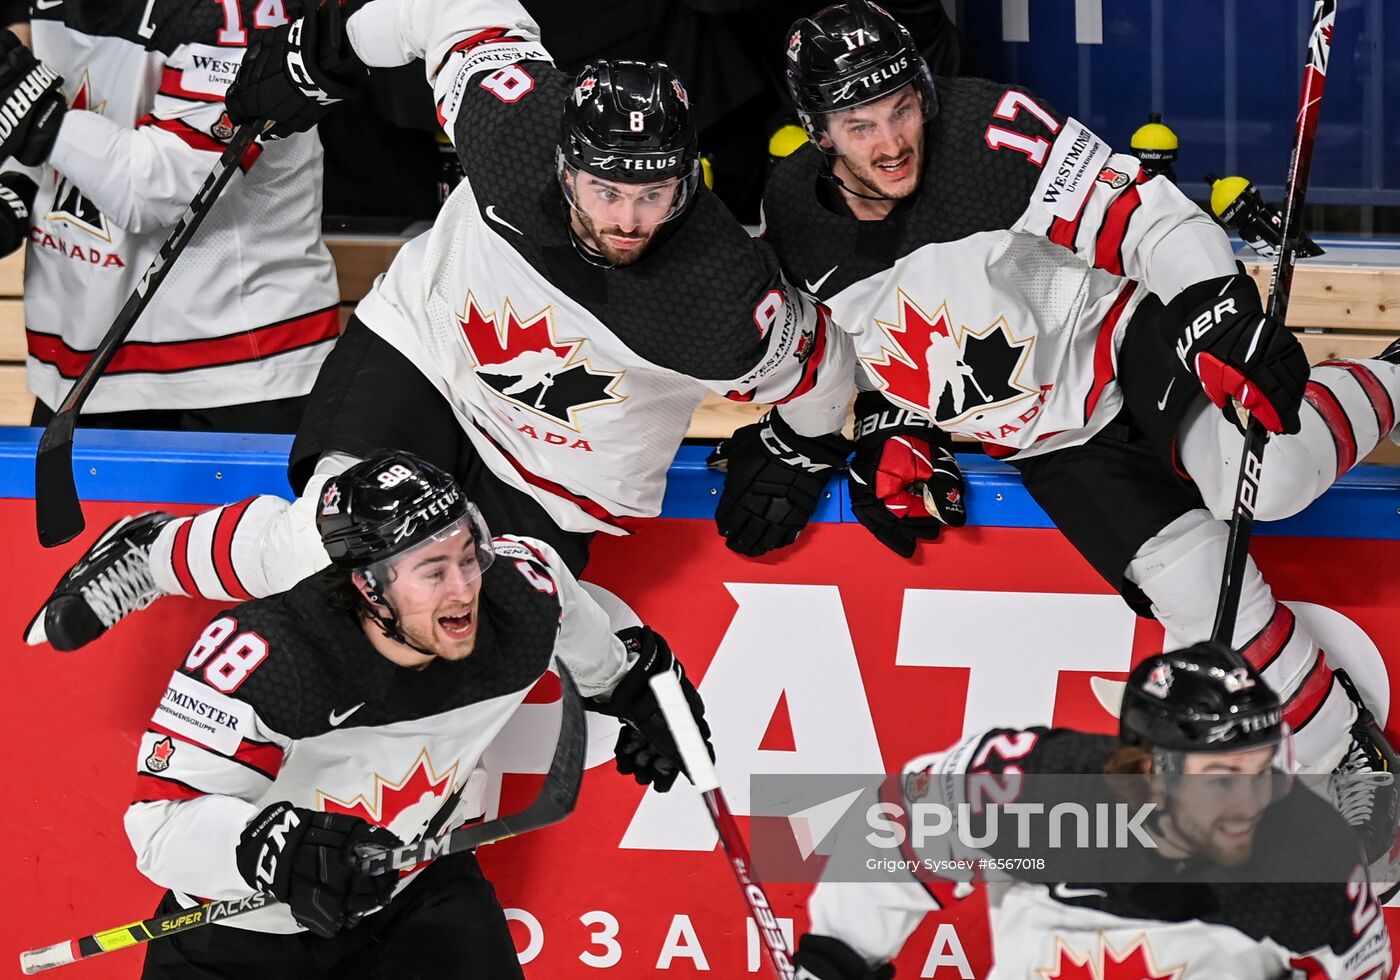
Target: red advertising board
838	657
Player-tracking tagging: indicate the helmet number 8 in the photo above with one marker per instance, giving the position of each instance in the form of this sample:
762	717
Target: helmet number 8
636	121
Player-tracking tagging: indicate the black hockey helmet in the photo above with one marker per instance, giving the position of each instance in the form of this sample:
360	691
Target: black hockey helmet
847	55
630	122
1206	698
390	504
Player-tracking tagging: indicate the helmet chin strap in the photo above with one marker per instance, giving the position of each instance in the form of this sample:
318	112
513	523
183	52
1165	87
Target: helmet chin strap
389	625
831	176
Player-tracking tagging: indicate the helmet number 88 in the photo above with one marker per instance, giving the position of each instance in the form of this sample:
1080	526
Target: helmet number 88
393	476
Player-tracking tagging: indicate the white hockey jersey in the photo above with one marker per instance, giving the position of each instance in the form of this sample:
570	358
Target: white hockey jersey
1223	930
575	384
249	310
284	699
995	298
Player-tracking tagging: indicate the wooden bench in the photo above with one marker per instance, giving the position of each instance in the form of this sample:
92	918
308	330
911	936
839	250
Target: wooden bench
1340	308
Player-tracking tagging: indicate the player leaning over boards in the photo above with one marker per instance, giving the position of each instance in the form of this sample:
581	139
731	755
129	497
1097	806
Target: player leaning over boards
396	667
546	342
1206	737
1008	277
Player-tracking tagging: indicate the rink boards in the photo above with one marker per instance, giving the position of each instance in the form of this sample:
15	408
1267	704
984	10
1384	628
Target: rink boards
838	657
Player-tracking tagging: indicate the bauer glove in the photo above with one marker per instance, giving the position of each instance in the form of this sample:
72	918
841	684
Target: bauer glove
905	484
1238	353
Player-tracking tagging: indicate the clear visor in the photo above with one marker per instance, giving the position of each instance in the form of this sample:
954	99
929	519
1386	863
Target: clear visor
1232	773
440	566
866	127
625	205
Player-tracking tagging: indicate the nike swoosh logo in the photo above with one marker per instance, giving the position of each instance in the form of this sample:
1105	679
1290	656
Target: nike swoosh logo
812	287
336	719
1064	891
491	213
1162	405
49	5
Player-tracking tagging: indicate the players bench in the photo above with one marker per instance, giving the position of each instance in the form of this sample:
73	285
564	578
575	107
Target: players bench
1346	303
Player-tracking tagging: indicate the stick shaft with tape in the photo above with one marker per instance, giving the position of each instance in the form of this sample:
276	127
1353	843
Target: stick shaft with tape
701	770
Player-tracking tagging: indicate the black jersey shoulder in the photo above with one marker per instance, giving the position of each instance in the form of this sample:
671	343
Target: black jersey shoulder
687	305
178	22
118	19
967	186
320	664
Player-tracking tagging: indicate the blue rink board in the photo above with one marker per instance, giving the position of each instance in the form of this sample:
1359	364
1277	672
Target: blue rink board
217	468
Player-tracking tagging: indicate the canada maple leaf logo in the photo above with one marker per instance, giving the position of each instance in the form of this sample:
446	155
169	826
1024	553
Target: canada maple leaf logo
161	751
1136	962
69	203
522	361
405	806
933	366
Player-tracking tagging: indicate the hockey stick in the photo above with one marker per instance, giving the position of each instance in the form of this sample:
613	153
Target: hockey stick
1252	463
701	771
553	803
57	510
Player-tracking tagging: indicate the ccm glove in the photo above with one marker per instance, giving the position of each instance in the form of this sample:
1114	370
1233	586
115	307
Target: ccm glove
294	74
1239	353
828	958
16	201
773	481
31	103
905	484
645	748
307	859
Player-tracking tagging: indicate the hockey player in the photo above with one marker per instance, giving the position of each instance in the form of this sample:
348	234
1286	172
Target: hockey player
1202	732
547	342
354	710
1098	315
117	118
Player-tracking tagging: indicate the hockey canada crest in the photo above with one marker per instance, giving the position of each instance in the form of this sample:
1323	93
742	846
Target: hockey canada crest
161	751
1136	962
522	361
415	805
952	372
1116	179
69	203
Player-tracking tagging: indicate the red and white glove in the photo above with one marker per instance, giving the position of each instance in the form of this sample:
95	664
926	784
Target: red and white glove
1238	353
905	485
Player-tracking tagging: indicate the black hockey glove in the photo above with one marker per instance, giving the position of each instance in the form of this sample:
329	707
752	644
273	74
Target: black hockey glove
645	748
1238	353
16	200
773	481
31	103
294	75
905	484
828	958
305	858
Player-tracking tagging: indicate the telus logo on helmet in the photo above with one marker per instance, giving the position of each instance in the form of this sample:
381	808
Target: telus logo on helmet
634	164
428	511
887	73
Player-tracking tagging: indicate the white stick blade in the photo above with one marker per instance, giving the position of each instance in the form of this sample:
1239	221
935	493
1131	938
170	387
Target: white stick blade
696	758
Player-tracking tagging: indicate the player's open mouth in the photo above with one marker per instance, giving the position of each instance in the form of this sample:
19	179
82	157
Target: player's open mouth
897	169
457	626
1237	832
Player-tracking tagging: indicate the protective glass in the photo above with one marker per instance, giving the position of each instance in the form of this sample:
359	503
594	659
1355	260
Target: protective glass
1277	778
623	204
446	562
